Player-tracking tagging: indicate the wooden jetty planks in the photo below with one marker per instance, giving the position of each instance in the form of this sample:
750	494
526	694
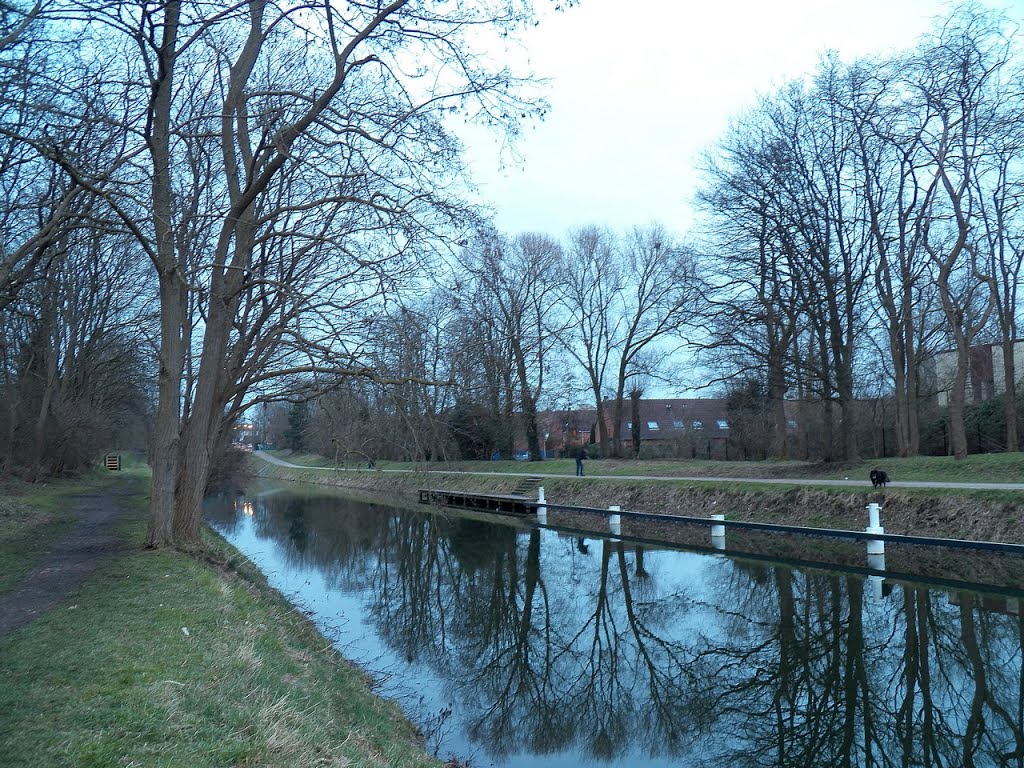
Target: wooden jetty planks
489	502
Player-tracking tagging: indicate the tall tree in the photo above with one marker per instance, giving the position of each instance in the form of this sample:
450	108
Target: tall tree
516	285
653	312
891	160
956	83
591	278
998	189
40	99
295	165
751	307
628	305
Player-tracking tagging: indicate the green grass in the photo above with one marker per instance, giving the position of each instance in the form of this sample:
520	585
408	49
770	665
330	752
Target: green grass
27	530
32	518
111	679
979	468
991	467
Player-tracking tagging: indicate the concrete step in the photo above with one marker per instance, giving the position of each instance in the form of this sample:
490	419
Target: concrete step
528	486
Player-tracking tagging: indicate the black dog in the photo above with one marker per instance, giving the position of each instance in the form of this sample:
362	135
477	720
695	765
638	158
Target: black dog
879	478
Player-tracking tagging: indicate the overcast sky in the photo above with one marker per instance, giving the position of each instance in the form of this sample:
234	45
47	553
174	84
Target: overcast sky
639	89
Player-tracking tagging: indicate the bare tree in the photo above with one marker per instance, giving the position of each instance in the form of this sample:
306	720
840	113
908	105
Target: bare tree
36	196
76	358
956	83
998	189
413	344
751	304
591	279
891	160
292	168
794	251
516	289
627	306
897	175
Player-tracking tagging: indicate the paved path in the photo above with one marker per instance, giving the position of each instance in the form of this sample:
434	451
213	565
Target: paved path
767	481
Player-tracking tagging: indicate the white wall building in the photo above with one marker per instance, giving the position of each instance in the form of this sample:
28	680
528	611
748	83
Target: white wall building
985	377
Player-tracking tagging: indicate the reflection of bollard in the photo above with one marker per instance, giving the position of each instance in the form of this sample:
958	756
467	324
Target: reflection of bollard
874	588
718	533
875	546
876	584
615	520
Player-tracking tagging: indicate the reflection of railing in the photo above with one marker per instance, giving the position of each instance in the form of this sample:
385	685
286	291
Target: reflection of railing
828	533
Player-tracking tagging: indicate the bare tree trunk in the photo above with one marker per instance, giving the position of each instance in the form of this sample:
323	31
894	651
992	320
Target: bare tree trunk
634	409
777	396
164	449
601	427
847	405
957	400
530	423
901	398
911	394
618	414
1010	406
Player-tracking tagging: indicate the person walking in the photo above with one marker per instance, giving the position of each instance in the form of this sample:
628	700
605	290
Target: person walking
581	454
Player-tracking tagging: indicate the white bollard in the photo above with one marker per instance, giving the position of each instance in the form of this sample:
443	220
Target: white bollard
718	533
541	508
615	520
875	546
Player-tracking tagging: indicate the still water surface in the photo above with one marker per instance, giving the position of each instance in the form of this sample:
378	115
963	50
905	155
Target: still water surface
518	646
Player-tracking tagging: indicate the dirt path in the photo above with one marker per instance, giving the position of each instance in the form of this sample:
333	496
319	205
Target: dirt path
61	572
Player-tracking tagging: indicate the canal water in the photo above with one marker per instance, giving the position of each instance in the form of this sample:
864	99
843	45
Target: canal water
511	645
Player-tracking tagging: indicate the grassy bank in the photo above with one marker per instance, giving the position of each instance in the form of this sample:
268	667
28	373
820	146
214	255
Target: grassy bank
989	467
985	515
163	660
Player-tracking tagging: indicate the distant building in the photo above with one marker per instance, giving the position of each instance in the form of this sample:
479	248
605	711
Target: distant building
243	436
984	376
679	427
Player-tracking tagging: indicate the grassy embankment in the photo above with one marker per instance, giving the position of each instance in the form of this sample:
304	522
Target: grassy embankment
982	468
110	678
983	514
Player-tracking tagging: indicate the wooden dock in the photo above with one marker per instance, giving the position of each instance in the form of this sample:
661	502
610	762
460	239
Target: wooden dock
506	504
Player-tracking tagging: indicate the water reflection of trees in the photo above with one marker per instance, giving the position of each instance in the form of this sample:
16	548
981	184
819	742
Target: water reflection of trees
547	648
826	678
